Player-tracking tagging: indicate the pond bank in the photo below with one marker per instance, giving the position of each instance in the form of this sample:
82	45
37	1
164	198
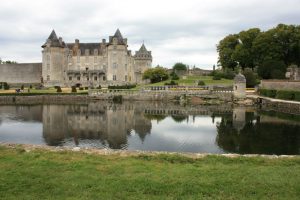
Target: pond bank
48	174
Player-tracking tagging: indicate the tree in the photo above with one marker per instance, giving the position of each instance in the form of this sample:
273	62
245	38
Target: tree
272	69
250	77
156	74
243	52
180	66
226	48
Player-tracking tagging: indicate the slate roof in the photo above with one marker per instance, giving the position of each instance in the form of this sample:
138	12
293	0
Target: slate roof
54	41
85	46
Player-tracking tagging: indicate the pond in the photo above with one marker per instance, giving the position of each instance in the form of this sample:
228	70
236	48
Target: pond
153	127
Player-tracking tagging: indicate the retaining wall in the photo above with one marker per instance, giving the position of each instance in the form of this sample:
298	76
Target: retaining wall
280	85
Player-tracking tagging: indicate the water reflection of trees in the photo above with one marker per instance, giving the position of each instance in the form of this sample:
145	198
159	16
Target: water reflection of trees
258	137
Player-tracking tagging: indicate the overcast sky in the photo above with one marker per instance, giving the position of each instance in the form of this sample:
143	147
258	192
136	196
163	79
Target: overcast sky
174	30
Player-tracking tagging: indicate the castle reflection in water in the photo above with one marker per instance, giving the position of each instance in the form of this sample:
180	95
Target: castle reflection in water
108	123
157	126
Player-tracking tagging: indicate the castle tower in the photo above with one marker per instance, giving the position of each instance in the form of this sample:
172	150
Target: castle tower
118	59
55	54
239	86
143	61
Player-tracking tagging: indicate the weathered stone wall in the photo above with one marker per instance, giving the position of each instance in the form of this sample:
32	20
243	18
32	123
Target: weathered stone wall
280	85
23	73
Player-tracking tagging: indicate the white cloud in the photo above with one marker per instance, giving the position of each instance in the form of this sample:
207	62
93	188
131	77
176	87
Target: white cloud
174	30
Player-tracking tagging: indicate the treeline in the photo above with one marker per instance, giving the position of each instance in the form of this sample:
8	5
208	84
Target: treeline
267	52
7	62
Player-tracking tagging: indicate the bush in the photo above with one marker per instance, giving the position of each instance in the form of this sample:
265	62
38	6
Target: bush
5	86
30	86
81	88
74	89
86	88
281	94
171	83
217	76
58	89
22	87
99	87
201	82
174	76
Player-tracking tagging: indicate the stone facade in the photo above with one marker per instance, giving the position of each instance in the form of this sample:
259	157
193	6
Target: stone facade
21	74
92	64
293	73
280	85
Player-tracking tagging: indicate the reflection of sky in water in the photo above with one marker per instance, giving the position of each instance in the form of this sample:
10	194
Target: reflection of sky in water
186	136
21	132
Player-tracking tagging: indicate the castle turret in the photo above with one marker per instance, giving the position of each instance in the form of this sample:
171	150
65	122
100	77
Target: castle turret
143	61
55	54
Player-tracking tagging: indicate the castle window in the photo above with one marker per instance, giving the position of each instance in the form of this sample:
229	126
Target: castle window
48	77
104	78
114	77
95	78
78	78
125	77
114	65
88	78
129	78
126	67
70	78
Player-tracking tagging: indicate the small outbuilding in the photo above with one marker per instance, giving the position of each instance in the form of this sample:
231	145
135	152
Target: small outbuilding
239	86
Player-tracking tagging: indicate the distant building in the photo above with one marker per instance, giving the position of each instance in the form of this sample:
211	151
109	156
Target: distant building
92	64
293	73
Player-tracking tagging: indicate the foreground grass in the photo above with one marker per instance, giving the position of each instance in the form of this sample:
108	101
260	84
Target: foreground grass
70	175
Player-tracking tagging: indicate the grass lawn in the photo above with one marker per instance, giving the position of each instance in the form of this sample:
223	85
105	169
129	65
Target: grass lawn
192	80
42	174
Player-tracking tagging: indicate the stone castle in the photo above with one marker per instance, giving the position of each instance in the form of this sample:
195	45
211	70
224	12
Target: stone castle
92	64
81	64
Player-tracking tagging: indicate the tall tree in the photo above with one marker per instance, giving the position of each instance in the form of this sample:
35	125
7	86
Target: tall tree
226	48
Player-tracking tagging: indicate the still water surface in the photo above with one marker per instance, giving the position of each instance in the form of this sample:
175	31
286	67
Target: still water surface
153	127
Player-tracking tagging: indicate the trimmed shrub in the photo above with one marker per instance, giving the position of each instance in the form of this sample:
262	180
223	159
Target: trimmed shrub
58	89
22	87
30	86
5	86
74	89
81	88
171	83
201	82
86	88
99	87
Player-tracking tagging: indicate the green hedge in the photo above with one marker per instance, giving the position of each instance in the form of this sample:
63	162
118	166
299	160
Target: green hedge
115	87
38	94
281	94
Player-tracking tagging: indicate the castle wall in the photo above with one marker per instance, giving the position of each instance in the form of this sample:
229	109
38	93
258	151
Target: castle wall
23	73
280	85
